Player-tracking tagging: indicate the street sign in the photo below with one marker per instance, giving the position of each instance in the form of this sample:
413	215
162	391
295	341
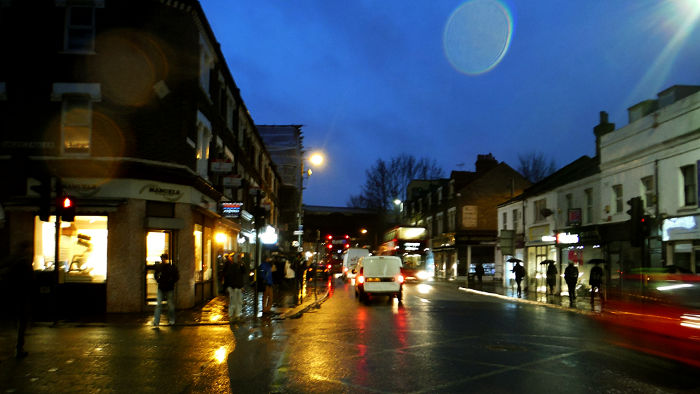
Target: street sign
298	232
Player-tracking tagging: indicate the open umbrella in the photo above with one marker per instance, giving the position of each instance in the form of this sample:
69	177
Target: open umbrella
596	261
548	261
514	260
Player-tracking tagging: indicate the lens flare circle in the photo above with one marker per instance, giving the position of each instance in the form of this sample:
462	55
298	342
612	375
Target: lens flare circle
477	36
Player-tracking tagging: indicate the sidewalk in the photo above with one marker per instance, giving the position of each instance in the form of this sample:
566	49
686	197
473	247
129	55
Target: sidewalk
213	312
496	288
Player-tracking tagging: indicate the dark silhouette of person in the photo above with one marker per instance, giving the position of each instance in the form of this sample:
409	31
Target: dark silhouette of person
479	271
519	272
166	275
571	277
551	277
596	282
18	276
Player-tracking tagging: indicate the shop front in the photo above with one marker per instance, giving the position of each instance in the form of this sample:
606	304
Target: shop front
681	237
580	247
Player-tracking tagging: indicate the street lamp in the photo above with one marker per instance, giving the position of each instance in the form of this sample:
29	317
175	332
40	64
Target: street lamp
316	159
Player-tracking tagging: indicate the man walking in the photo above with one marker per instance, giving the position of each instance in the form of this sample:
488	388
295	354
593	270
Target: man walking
166	275
571	277
596	281
234	279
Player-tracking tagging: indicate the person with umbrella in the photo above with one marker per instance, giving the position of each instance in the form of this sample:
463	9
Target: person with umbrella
519	272
551	275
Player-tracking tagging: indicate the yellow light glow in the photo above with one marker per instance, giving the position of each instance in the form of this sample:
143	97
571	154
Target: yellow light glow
316	159
220	238
425	289
220	354
363	231
215	318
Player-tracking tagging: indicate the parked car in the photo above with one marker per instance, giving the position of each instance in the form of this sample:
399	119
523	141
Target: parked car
379	275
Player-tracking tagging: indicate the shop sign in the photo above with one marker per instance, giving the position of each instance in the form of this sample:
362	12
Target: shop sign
232	181
230	209
221	166
574	217
567	238
681	228
169	194
505	242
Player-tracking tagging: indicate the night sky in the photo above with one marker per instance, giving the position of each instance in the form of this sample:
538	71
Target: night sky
449	80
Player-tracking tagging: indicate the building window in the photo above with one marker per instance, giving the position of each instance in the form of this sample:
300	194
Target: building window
198	253
429	225
648	185
439	222
439	195
76	124
569	201
690	186
76	115
80	29
504	219
204	137
82	244
540	206
589	205
451	192
515	220
617	197
206	62
451	219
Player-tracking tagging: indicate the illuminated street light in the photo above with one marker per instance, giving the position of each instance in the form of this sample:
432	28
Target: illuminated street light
397	202
316	159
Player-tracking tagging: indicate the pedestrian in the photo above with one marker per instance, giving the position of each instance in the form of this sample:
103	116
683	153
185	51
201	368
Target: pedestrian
18	279
596	281
519	272
299	271
289	281
266	270
571	277
551	276
166	275
234	279
479	271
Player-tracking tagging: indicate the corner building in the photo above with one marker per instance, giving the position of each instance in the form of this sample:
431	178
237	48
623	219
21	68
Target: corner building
130	107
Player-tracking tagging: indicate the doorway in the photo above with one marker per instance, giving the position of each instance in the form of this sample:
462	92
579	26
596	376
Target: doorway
157	243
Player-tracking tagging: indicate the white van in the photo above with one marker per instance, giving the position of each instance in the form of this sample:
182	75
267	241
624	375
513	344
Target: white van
379	275
350	259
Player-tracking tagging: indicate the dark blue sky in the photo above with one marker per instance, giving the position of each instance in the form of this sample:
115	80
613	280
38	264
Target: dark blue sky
448	80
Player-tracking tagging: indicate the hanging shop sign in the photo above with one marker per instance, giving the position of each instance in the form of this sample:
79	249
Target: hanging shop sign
230	209
232	181
221	166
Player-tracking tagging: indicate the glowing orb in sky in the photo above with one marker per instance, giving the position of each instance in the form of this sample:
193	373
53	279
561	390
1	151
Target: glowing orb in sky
477	36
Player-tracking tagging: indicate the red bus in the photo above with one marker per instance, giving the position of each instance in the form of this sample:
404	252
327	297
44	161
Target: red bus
411	244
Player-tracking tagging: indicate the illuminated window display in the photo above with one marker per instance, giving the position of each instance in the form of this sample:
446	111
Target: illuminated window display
198	252
82	248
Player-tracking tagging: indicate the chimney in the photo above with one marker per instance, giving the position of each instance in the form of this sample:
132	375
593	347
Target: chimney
485	163
604	127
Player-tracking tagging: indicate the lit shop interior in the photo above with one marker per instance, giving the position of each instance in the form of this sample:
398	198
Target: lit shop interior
82	248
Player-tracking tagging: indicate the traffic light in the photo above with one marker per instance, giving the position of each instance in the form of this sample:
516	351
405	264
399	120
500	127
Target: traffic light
66	206
637	219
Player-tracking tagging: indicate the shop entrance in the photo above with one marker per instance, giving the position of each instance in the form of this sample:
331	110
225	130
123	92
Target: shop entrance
157	243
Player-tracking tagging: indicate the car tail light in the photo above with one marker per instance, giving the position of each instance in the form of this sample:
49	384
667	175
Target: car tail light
361	279
400	278
328	266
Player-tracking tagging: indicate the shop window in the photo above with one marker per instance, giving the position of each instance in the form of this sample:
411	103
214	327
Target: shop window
516	222
82	248
198	253
76	124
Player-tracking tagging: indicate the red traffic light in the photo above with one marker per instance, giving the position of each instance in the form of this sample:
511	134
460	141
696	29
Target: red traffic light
329	236
67	202
330	246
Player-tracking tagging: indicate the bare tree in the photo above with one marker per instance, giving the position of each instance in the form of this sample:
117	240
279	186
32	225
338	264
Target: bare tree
535	166
387	180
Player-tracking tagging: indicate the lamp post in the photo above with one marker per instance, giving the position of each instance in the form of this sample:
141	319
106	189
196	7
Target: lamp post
316	159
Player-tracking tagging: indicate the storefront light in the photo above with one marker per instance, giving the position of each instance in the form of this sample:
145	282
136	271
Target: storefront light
269	236
220	238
